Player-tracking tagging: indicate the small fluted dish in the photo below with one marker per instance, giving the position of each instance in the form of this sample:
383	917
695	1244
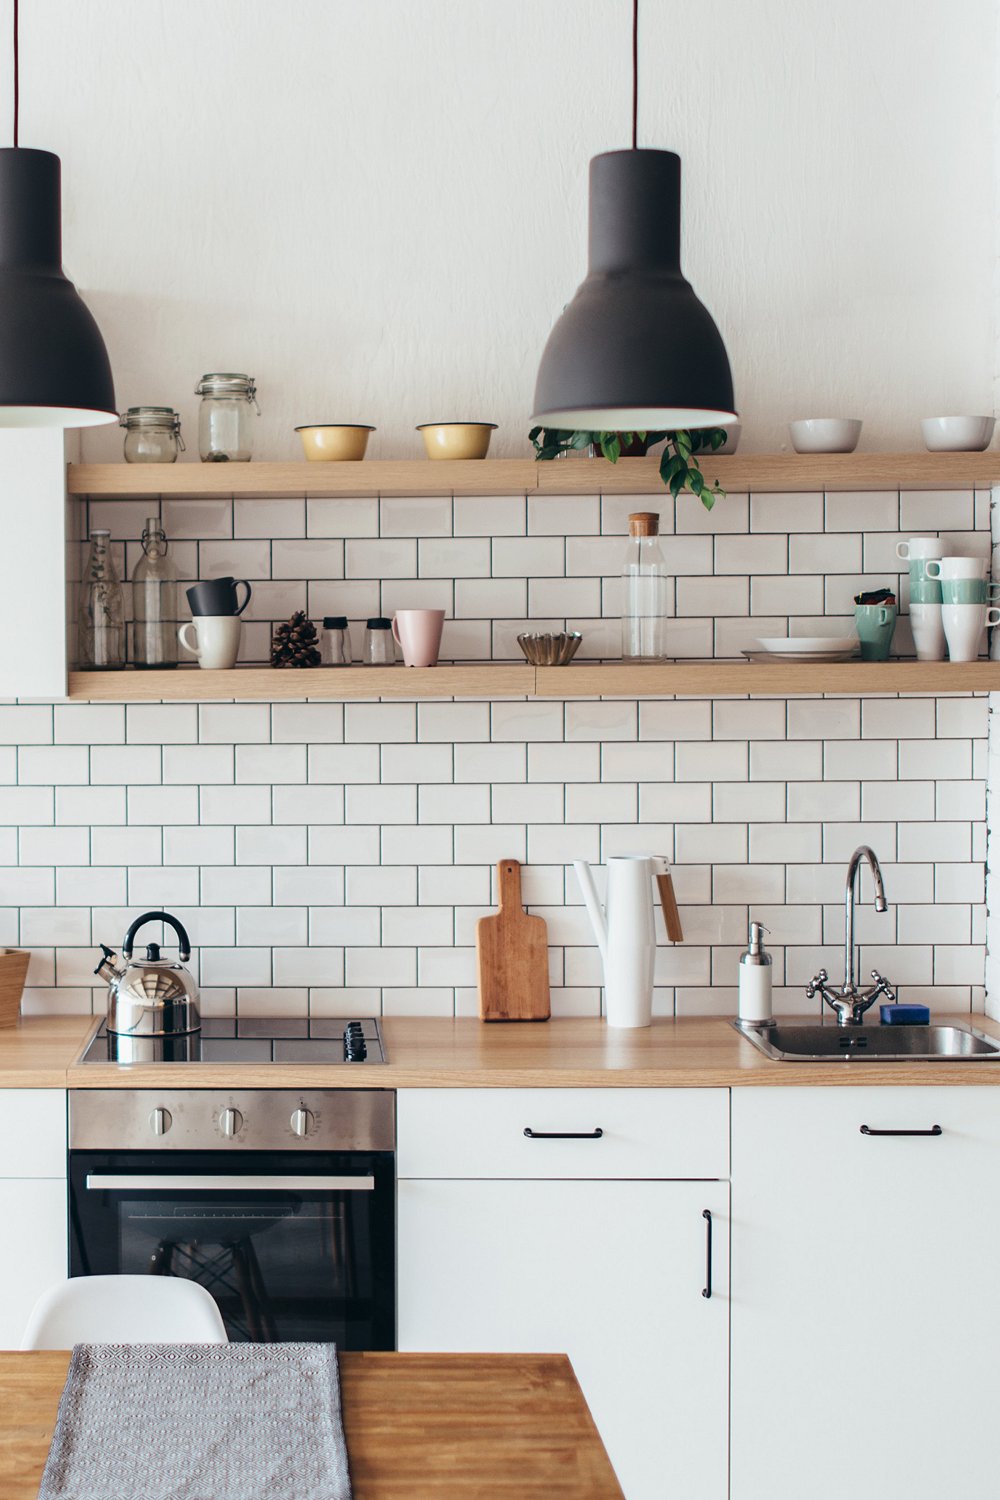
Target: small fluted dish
550	650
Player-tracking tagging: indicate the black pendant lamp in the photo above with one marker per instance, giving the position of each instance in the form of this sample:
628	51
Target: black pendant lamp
635	350
54	368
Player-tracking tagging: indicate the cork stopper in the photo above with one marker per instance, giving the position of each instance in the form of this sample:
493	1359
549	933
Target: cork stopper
644	523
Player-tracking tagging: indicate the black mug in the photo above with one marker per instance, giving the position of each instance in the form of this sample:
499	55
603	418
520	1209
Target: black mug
217	596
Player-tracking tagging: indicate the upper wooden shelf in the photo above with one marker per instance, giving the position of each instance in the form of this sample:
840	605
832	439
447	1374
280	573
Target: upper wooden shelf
517	476
699	679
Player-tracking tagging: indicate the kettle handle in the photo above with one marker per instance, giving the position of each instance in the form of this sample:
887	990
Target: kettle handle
158	916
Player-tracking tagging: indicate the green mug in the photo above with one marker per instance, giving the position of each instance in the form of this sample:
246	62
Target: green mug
876	625
924	590
967	591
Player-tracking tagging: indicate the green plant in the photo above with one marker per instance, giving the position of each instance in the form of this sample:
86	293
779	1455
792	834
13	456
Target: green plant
679	467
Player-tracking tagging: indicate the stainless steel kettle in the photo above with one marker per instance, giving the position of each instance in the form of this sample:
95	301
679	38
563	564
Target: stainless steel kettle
150	996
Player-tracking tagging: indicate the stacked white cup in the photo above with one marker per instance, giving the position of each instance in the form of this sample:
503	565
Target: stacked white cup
966	607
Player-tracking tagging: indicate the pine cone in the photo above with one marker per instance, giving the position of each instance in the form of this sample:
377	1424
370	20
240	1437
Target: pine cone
293	644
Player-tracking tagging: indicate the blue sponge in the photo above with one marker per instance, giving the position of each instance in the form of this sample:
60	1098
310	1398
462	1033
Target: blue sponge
905	1015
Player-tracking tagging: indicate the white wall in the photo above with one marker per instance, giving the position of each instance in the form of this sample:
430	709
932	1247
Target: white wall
378	206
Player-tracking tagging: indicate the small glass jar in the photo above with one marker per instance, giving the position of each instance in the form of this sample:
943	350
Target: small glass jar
335	645
152	435
379	649
101	617
225	430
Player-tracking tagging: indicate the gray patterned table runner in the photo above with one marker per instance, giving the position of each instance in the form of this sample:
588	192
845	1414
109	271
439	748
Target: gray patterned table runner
199	1422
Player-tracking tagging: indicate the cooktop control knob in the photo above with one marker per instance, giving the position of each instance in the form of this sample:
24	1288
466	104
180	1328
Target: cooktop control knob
355	1046
160	1121
303	1122
230	1122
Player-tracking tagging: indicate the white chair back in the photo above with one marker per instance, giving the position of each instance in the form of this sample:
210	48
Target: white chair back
124	1310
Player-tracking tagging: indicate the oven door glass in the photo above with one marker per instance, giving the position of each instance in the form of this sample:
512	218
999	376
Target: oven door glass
292	1246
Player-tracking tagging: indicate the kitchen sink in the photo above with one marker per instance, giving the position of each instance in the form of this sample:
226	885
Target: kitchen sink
954	1042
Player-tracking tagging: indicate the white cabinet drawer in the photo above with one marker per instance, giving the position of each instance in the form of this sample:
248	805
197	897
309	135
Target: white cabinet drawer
653	1133
33	1133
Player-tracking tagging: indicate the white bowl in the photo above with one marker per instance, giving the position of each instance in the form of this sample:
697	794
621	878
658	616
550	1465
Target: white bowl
807	644
825	434
957	434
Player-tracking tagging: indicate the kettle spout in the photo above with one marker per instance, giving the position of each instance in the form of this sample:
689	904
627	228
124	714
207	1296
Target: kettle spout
594	908
107	968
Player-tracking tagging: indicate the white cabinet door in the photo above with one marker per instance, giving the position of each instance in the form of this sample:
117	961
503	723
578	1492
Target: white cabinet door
864	1319
32	1249
33	1133
610	1273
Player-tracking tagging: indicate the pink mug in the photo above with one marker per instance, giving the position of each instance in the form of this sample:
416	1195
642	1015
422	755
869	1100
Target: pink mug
418	632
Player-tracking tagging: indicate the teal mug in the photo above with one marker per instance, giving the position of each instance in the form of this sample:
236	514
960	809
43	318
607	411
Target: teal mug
967	591
876	624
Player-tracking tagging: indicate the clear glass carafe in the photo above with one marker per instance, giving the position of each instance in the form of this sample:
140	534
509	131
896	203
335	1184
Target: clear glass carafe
225	418
101	616
152	435
645	592
154	602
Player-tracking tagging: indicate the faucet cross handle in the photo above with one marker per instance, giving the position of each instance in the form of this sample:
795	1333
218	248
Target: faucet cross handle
882	987
816	983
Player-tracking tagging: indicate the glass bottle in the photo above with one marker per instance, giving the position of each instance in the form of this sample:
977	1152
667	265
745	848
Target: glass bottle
645	591
154	602
335	644
225	432
379	648
152	435
102	609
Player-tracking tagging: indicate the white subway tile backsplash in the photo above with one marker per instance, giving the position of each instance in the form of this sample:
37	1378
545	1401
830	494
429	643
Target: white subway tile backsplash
335	859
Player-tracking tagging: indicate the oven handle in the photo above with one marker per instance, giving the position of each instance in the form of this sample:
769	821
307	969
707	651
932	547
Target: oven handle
113	1182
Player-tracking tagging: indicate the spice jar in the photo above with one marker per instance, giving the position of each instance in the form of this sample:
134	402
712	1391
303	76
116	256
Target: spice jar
152	434
335	646
379	649
224	428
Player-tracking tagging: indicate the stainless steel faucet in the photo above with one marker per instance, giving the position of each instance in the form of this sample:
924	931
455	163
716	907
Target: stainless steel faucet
849	1002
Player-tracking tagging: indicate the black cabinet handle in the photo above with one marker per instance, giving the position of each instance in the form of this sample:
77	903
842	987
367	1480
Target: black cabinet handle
869	1130
563	1135
706	1290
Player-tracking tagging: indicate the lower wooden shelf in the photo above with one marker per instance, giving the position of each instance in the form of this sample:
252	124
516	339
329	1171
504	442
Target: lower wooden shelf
501	680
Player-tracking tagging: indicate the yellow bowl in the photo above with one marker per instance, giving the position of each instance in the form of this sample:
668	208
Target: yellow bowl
457	439
335	443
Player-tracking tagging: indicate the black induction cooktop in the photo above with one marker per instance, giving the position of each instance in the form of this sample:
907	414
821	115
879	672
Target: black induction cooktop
250	1039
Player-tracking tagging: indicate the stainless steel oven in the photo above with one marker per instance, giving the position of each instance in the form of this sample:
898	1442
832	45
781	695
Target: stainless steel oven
281	1203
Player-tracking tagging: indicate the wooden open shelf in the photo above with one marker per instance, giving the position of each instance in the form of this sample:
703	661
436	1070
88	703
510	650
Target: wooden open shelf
700	679
519	476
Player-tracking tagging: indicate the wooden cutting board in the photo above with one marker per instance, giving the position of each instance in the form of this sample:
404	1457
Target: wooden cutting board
513	954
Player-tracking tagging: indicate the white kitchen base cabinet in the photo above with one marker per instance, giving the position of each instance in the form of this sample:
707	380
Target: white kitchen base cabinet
33	1242
610	1273
864	1322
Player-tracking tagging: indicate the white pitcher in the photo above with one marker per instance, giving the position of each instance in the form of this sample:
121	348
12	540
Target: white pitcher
625	933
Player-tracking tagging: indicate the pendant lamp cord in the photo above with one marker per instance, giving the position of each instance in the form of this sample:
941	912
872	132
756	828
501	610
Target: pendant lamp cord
635	73
17	76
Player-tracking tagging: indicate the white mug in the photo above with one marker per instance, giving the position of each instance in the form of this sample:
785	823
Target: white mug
928	631
963	628
958	567
920	547
216	641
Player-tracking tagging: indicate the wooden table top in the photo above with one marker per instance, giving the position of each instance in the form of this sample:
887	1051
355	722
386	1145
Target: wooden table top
457	1426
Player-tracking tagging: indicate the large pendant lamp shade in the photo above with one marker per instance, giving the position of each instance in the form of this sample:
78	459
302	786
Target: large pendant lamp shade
54	368
635	350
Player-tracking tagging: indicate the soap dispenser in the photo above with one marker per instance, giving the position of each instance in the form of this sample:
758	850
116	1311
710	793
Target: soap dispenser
754	1003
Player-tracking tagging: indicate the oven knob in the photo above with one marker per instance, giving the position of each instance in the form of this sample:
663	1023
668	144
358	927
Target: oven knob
303	1122
160	1121
230	1122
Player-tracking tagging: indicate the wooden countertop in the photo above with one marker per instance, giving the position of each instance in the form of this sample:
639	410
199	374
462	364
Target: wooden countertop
36	1053
457	1426
426	1052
